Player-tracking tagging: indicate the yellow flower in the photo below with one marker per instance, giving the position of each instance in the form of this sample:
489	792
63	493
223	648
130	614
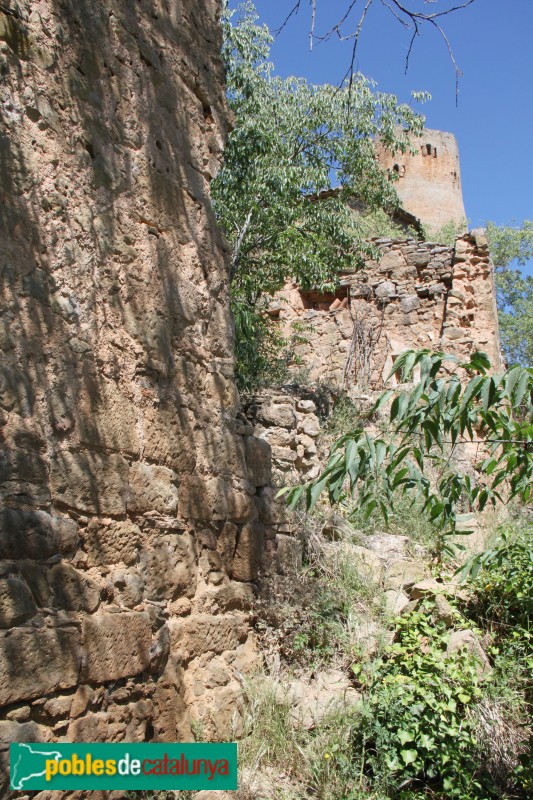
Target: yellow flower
326	755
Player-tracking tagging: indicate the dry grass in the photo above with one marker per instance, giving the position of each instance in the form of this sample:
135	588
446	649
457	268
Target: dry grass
502	736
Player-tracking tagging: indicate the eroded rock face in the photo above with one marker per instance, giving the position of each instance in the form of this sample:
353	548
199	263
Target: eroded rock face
128	538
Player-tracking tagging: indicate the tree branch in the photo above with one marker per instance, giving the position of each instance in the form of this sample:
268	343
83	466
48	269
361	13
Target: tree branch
238	246
409	18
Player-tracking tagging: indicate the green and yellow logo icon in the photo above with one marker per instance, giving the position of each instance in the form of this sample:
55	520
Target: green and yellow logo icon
123	766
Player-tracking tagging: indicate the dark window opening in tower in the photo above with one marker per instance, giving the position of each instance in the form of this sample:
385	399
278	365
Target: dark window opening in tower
428	149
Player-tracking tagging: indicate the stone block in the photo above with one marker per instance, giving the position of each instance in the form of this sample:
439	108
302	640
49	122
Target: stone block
277	414
128	585
404	573
66	534
169	437
309	425
467	640
233	596
80	701
427	588
410	303
107	418
171	720
116	646
395	601
452	332
108	542
444	611
168	566
22	465
16	602
152	488
35	662
27	534
283	457
23	732
205	633
249	552
258	460
93	728
72	590
208	499
308	443
226	542
58	707
306	406
421	258
36	577
91	482
385	290
279	437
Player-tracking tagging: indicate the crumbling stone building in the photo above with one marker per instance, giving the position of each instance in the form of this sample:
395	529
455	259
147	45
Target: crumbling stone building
418	295
135	506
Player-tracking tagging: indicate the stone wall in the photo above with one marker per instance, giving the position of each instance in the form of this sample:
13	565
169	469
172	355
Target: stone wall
288	422
419	295
129	530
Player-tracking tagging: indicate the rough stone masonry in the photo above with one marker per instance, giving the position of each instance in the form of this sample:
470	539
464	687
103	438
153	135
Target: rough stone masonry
130	536
418	295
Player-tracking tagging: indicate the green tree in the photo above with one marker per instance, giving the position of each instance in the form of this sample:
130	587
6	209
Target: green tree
514	289
293	143
427	423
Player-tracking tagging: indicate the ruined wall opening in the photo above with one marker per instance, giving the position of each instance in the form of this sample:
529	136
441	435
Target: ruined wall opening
324	301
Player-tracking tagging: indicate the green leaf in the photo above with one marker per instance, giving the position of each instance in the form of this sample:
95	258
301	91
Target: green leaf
405	736
522	385
486	393
471	390
409	756
479	361
316	489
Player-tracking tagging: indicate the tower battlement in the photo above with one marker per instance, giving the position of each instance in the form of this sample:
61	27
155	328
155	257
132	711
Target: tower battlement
429	182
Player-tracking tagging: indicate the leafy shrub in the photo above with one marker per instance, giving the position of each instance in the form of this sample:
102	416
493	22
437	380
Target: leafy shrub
440	408
416	736
447	234
262	354
502	582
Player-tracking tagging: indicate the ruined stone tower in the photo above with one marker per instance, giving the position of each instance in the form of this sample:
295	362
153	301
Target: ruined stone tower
429	183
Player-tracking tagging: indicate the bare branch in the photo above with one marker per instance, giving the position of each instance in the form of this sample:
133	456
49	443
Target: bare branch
409	19
294	10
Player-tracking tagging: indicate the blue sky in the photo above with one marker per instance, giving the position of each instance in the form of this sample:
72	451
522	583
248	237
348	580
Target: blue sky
492	41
